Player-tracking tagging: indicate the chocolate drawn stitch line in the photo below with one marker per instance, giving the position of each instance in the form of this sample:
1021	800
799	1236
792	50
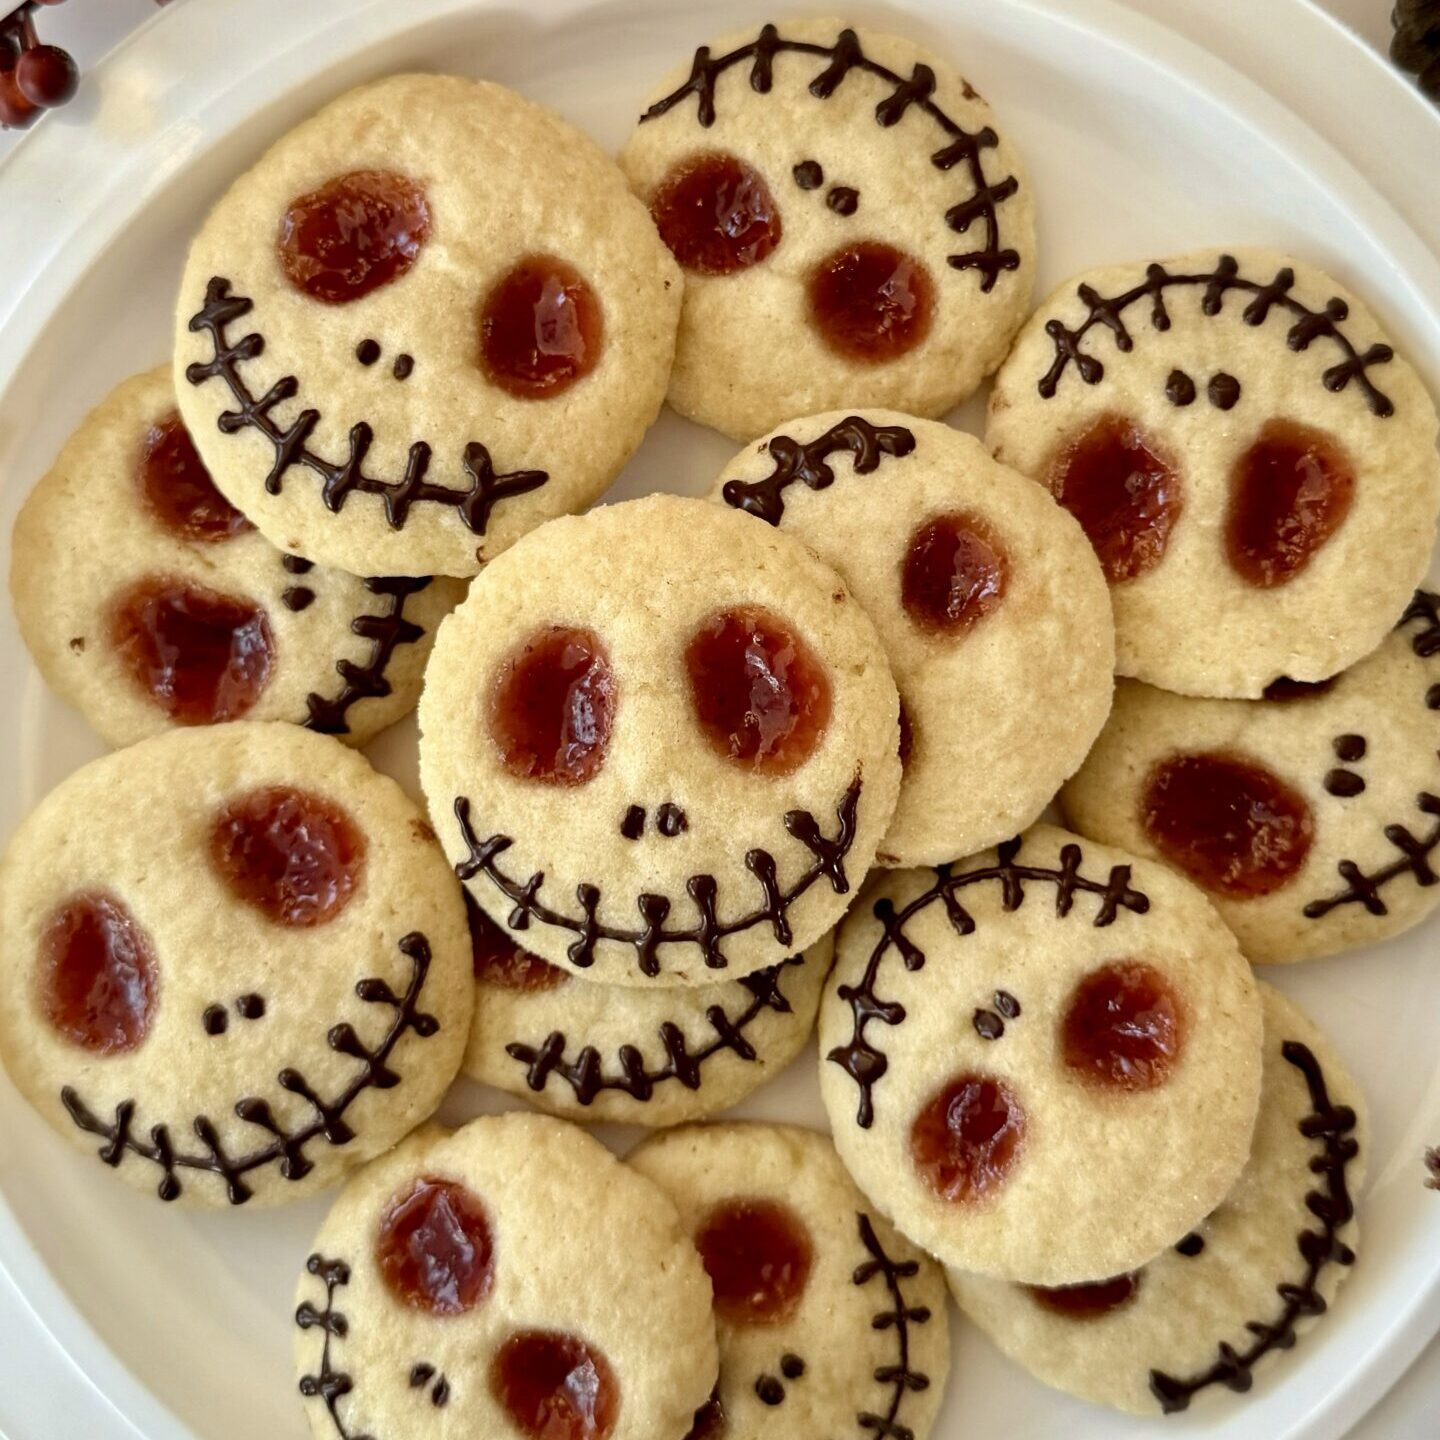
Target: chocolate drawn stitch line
859	1057
328	1384
1309	325
288	1147
386	633
474	505
806	463
1330	1124
845	55
586	1073
829	862
902	1379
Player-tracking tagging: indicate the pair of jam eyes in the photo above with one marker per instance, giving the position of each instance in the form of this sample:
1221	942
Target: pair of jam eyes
294	856
869	302
540	326
1123	1030
435	1252
1289	493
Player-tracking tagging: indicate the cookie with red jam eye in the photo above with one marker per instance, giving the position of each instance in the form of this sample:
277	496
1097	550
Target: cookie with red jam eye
1311	817
830	1322
1041	1062
853	225
641	1057
511	1279
660	744
237	963
1237	1292
991	605
428	319
148	601
1252	461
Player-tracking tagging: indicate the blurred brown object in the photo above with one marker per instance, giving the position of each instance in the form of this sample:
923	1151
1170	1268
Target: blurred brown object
1416	46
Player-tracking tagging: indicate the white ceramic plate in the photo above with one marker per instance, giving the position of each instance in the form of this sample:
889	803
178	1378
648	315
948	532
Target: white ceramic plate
1138	142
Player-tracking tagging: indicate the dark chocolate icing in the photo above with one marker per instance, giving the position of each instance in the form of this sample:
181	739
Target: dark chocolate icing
632	827
1180	388
1432	1166
297	597
670	820
367	352
1223	390
829	863
287	1149
421	1374
990	1024
809	175
843	200
404	367
1345	784
1191	1245
962	146
901	1378
328	1384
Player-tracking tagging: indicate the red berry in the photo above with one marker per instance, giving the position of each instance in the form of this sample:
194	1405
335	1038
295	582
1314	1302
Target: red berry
46	75
16	112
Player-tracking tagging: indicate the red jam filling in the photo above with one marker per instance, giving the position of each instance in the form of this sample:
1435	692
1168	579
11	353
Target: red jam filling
758	1256
716	214
555	1386
1122	1027
295	856
434	1248
1230	824
177	487
967	1138
498	960
953	574
871	303
1089	1301
540	329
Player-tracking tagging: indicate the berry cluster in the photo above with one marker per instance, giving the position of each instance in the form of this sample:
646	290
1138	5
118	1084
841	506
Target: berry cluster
33	77
1416	46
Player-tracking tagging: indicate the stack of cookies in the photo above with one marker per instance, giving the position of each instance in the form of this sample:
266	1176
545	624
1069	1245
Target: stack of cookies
703	776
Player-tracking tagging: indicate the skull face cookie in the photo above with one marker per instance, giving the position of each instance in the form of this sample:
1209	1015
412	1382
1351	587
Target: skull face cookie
1312	818
238	964
660	743
149	601
428	319
1254	464
983	590
1236	1292
641	1057
852	225
510	1279
1042	1063
830	1323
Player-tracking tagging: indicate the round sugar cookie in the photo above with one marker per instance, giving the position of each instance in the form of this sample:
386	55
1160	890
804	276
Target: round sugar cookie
1255	465
428	319
991	605
238	965
660	742
1042	1063
830	1322
1235	1293
1312	819
148	601
640	1057
508	1279
852	225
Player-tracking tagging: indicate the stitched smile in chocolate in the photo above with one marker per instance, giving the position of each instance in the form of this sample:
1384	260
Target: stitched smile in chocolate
384	370
660	743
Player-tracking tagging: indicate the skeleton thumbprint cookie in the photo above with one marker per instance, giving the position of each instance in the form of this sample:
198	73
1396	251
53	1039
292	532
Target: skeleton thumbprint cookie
149	601
1311	817
237	963
1252	461
1043	1062
428	319
982	588
643	1057
1240	1288
852	225
510	1280
660	743
830	1323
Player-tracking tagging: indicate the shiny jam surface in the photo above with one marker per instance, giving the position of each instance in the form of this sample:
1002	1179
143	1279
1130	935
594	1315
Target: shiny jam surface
953	574
1229	823
1123	1027
967	1138
201	656
177	487
295	856
1088	1301
552	705
761	695
555	1386
499	960
758	1256
1289	493
716	214
434	1248
871	302
1125	493
353	235
97	974
541	329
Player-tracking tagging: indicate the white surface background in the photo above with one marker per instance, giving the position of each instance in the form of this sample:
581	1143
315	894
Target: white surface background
33	1372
